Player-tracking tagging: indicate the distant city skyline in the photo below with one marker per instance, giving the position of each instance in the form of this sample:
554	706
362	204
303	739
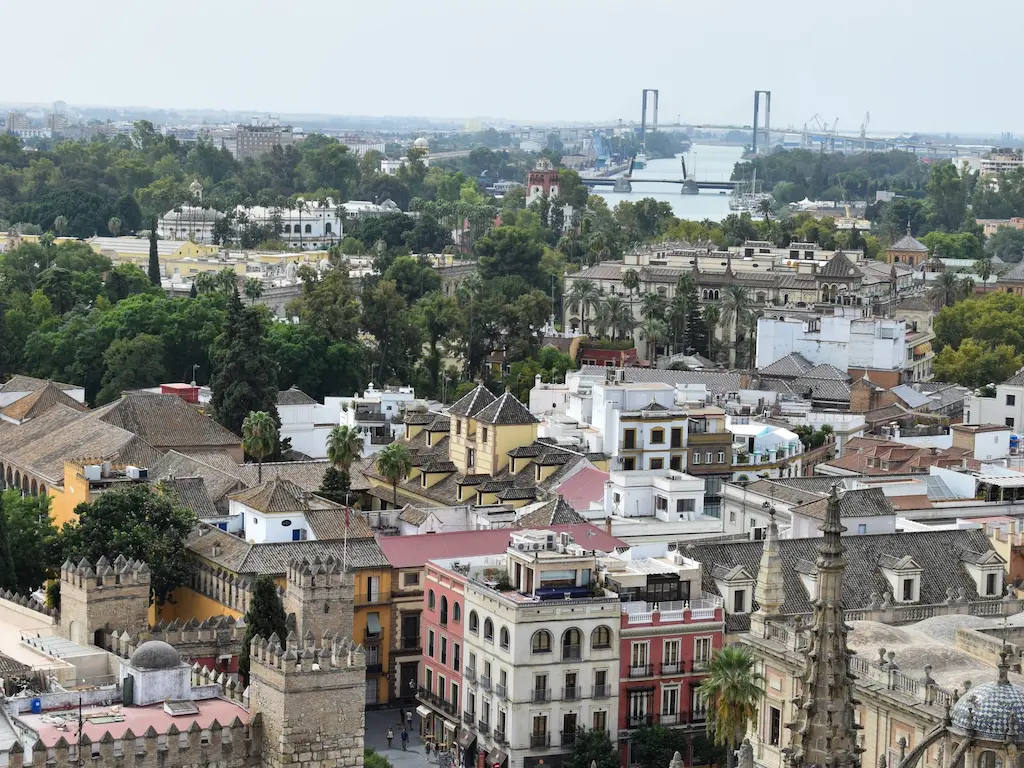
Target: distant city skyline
532	62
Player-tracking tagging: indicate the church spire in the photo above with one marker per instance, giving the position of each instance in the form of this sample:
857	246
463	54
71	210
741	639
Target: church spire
825	732
769	591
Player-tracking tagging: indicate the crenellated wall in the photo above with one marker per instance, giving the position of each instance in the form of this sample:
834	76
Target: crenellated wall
111	595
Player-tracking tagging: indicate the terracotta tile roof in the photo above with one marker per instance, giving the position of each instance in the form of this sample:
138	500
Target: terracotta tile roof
19	383
294	396
506	410
791	365
840	266
524	451
826	371
165	421
192	493
176	464
909	243
834	390
472	402
327	520
36	403
864	502
439	424
413	515
557	512
517	494
308	475
418	417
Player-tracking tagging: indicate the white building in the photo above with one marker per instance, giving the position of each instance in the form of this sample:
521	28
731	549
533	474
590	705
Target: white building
306	422
279	511
764	450
378	414
310	224
1005	407
365	209
541	659
986	442
646	506
845	339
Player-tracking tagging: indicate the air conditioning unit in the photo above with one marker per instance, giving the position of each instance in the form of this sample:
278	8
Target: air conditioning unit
136	473
523	547
92	472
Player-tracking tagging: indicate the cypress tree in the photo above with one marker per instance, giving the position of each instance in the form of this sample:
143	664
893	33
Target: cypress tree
264	617
8	578
696	330
192	292
154	256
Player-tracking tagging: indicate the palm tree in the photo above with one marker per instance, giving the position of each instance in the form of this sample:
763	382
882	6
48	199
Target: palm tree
712	316
732	690
677	316
226	280
114	225
583	295
631	282
766	209
394	462
949	288
653	330
344	446
205	282
253	288
259	438
60	225
735	309
750	340
652	306
614	315
983	269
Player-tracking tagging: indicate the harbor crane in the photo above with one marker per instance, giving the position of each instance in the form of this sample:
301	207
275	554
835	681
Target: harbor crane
864	125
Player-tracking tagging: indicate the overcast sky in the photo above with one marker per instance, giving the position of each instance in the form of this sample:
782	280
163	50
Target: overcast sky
913	64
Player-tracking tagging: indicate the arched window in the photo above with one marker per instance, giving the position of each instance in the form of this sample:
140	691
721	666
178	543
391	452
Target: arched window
488	630
541	642
456	612
989	759
327	227
309	228
504	638
474	622
601	638
444	609
287	229
431	600
571	640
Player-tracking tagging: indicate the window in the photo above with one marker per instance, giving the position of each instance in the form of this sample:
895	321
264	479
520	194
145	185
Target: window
471	703
660	502
990	584
600	721
1011	399
456	657
455	694
629	439
707	457
572	641
677	437
862	528
702	649
297	534
444	610
431	600
732	515
658	463
504	638
456	612
430	680
541	642
483	434
1009	422
470	457
638	659
458	426
474	622
430	643
309	228
657	436
488	630
670	703
629	464
721	457
675	463
774	726
410	579
670	657
908	590
739	600
696	457
601	638
444	650
685	505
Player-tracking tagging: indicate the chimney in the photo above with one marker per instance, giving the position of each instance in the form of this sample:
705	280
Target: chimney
608	526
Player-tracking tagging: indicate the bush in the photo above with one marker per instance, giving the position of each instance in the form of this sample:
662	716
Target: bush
373	759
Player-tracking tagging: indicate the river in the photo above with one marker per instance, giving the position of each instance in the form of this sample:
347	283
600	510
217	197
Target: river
705	162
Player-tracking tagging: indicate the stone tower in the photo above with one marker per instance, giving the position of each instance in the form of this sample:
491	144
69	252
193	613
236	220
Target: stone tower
825	732
320	597
769	591
96	600
310	698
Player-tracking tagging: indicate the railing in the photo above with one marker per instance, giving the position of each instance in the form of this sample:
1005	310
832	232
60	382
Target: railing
698	716
572	693
372	598
381	439
483	727
485	682
470	674
700	665
501	691
993	608
643	670
374	669
540	740
600	691
412	643
467	718
541	694
499	736
636	721
672	668
672	719
568	737
450	708
570	652
698	609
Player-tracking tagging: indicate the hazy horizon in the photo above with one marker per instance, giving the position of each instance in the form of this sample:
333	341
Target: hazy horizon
528	62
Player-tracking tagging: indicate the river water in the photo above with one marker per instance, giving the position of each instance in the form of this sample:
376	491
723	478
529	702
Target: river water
705	162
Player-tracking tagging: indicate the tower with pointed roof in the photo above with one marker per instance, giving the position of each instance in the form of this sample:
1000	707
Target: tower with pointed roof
769	591
825	731
908	250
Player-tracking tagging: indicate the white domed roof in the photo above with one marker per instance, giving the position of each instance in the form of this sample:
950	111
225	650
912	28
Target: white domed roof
155	654
988	709
421	143
195	186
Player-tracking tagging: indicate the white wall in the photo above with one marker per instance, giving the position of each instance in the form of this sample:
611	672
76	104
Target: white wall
1007	404
841	341
269	529
804	527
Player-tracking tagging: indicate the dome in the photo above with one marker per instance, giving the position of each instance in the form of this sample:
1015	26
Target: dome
155	654
195	186
987	709
421	143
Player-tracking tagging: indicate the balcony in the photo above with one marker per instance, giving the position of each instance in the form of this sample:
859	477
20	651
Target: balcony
412	643
570	652
672	719
500	737
381	439
568	738
450	708
600	691
699	716
501	691
372	638
483	728
700	665
638	721
485	682
541	695
672	668
467	718
470	674
372	598
640	670
540	740
572	694
374	669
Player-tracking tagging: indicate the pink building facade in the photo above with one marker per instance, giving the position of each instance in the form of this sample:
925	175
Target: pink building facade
441	685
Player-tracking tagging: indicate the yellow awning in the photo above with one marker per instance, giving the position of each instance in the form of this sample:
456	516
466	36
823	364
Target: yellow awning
923	349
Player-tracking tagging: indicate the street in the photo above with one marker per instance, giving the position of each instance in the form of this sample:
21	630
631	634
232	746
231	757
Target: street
377	723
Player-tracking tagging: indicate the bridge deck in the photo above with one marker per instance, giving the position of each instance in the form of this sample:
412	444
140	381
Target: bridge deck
606	182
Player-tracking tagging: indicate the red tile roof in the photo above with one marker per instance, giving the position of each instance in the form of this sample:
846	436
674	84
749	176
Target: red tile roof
585	486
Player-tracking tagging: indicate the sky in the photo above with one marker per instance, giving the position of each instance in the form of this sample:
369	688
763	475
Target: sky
915	65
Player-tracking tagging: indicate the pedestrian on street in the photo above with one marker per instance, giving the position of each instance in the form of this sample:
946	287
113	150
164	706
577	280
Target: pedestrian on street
405	738
391	735
428	751
408	718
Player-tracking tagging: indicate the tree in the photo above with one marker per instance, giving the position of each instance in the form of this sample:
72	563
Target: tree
253	289
141	522
114	225
947	197
265	618
766	208
508	251
736	308
244	376
732	690
335	485
131	364
653	331
949	288
1006	244
712	317
440	316
394	462
413	277
653	746
259	438
8	577
344	446
583	296
976	364
984	270
58	286
154	255
60	225
593	748
32	539
614	315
